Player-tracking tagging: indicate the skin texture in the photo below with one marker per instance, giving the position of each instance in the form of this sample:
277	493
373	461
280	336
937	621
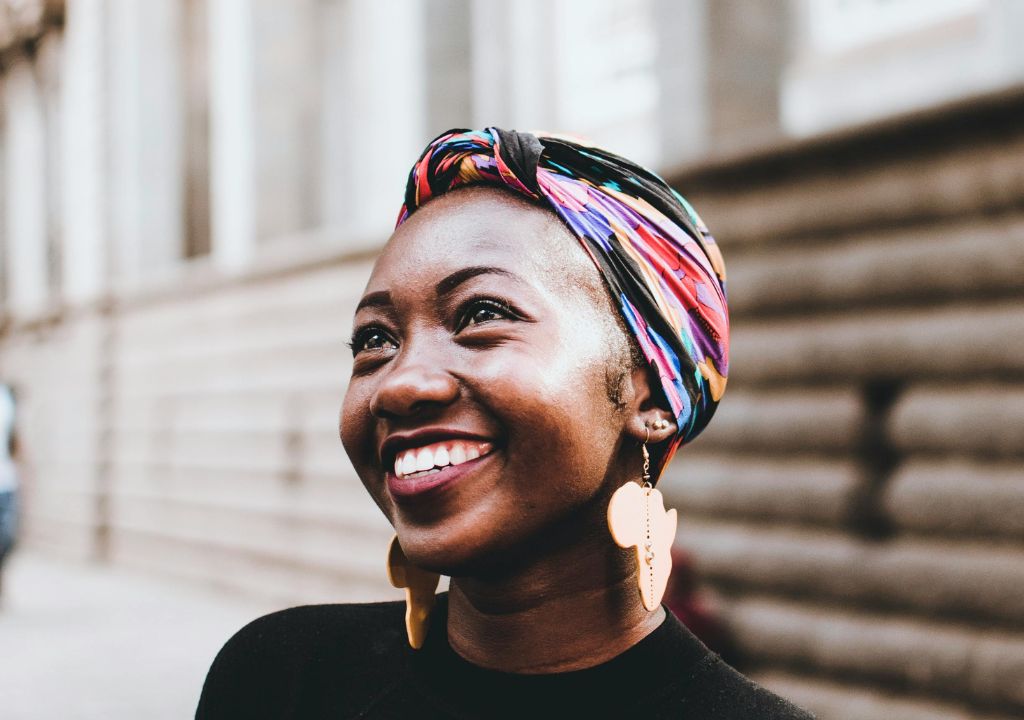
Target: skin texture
532	358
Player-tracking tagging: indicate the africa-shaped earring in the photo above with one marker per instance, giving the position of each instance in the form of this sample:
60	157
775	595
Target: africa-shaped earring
637	518
420	586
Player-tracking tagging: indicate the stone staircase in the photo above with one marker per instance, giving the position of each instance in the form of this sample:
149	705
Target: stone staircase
857	505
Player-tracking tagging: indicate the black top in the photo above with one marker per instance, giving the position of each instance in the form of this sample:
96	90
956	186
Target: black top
353	661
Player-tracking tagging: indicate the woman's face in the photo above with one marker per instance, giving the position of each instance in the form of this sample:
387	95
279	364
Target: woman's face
478	414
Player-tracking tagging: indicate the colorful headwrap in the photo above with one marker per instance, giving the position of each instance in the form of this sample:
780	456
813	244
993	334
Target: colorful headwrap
660	262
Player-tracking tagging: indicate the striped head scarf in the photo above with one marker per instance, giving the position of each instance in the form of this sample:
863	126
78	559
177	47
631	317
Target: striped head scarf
662	266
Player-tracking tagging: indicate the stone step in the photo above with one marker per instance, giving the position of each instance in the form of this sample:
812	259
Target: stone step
248	450
284	408
930	263
952	578
275	451
346	509
196	479
74	504
328	295
278	577
773	203
323	453
58	534
796	490
957	498
232	339
289	370
753	421
923	656
985	420
332	546
956	341
322	357
830	700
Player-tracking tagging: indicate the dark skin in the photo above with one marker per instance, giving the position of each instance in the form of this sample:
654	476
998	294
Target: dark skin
527	356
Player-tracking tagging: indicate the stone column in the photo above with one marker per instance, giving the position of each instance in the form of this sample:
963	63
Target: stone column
447	34
195	68
49	53
232	133
146	129
25	183
747	54
288	66
265	110
684	116
85	261
1005	19
514	75
374	114
335	118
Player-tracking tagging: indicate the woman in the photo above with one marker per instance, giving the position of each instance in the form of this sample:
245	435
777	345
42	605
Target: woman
9	454
545	327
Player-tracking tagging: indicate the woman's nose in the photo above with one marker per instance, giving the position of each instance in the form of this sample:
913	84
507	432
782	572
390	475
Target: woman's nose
415	382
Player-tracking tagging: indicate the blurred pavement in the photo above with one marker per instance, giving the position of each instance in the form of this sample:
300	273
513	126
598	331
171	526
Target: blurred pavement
85	641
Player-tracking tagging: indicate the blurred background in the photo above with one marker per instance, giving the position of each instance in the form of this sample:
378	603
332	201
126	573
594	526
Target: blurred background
192	193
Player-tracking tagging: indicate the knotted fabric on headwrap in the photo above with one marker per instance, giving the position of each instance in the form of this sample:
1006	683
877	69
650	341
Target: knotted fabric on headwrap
661	264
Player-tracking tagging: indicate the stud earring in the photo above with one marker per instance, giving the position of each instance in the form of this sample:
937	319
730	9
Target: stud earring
637	518
420	586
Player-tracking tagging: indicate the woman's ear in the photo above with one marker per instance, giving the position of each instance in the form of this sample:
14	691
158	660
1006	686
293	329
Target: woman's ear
648	410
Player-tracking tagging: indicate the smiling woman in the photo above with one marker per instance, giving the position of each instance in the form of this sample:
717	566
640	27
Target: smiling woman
544	329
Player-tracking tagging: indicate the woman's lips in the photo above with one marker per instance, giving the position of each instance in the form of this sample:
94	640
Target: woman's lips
418	483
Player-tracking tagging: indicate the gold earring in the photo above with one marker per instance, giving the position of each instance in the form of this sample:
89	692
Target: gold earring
420	586
637	518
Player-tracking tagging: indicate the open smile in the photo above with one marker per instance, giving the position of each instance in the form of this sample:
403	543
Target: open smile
419	470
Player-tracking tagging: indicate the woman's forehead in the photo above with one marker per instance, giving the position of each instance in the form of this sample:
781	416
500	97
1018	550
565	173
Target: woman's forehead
483	227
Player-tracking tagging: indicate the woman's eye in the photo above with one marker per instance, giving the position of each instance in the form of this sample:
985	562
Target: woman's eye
371	339
482	311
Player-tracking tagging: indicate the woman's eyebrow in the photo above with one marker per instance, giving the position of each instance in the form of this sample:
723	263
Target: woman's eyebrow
381	298
450	283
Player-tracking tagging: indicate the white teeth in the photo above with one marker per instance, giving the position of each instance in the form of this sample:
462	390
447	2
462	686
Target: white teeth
424	459
457	455
405	463
441	457
432	458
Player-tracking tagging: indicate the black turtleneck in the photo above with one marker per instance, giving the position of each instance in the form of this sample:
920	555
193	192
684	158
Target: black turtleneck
353	661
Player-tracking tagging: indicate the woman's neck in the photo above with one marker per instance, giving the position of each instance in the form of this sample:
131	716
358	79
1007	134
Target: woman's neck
569	611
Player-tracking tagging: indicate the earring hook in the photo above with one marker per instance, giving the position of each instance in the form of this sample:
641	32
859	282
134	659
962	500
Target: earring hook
647	459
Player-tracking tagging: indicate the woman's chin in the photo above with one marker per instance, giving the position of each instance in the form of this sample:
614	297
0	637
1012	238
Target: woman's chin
445	552
450	564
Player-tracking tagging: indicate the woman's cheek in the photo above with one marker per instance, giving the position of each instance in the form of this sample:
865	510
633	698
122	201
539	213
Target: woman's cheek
356	424
548	416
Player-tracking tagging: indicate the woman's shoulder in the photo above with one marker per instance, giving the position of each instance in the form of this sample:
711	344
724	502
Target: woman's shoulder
298	634
274	657
725	693
350	622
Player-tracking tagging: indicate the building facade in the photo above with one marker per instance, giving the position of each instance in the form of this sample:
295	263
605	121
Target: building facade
193	191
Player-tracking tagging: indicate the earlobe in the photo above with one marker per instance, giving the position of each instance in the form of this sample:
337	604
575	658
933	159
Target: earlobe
649	412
